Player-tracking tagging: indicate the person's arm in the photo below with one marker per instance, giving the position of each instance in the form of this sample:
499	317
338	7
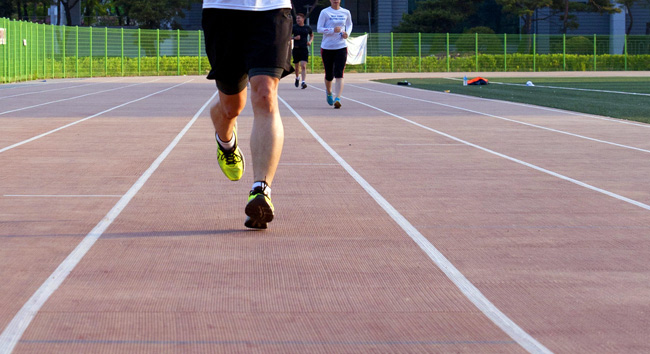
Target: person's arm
348	24
322	20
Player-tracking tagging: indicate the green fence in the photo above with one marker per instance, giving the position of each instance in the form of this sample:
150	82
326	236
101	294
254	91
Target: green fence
37	51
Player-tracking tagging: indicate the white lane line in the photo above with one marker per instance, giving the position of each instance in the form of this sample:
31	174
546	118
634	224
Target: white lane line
507	119
576	89
62	195
74	98
554	174
87	118
557	110
36	83
307	164
429	144
15	329
56	89
464	285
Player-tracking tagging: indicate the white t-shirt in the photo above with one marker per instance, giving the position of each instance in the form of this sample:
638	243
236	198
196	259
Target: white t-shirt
247	5
330	18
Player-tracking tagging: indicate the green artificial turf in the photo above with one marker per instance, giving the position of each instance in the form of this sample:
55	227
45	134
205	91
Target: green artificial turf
630	101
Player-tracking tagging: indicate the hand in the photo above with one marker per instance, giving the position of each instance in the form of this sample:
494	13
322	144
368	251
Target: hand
297	37
337	29
344	35
309	43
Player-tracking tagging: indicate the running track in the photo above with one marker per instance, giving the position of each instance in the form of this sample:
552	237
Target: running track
408	221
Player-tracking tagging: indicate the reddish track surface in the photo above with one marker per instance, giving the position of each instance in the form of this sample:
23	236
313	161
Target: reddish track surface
552	230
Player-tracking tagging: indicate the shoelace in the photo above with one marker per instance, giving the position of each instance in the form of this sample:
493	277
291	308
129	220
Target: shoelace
258	190
231	157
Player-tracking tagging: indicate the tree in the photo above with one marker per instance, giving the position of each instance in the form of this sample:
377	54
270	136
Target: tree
437	16
567	8
68	5
525	9
628	10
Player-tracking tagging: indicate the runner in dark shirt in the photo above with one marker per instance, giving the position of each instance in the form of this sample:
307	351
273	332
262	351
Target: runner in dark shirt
302	38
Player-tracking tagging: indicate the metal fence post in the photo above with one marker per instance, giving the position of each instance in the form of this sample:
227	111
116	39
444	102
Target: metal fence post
21	60
594	52
178	52
625	47
505	52
91	50
365	63
44	53
64	54
122	48
76	53
448	58
419	51
392	61
105	51
158	51
476	50
199	32
564	51
534	52
52	53
139	71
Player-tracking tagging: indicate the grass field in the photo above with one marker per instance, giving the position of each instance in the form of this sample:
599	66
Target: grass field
617	97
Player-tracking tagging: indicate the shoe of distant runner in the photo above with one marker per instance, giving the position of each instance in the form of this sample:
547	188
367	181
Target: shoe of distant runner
337	103
297	82
231	162
330	99
304	85
259	209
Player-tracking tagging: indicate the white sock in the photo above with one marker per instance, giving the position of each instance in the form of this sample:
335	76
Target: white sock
265	187
226	145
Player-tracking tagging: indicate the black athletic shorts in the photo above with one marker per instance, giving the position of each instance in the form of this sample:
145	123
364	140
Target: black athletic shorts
240	44
334	62
300	54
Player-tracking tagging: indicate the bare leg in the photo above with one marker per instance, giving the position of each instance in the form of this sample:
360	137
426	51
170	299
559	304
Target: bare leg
224	113
328	86
338	87
267	136
303	70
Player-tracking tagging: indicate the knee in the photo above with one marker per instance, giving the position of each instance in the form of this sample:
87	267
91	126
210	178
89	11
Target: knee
263	97
227	110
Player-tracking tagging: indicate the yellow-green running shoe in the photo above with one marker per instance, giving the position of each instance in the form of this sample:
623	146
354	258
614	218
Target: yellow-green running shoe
231	162
259	209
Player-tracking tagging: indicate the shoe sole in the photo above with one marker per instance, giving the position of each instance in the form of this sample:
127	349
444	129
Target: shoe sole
337	104
259	213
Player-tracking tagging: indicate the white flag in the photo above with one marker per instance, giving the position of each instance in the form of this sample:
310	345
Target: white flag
357	49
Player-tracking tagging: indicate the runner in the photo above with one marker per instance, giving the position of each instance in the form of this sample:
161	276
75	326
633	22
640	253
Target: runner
302	38
335	23
258	54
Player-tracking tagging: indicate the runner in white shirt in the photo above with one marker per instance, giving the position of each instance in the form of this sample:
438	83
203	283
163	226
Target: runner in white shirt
335	23
258	52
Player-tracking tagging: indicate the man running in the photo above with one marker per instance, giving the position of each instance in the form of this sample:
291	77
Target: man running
302	38
259	54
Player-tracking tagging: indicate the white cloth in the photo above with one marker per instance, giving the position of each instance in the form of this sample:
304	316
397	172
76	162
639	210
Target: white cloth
330	18
247	5
357	48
